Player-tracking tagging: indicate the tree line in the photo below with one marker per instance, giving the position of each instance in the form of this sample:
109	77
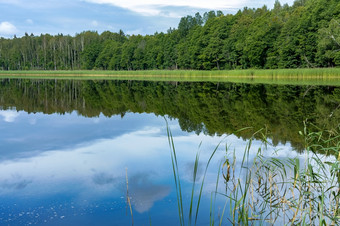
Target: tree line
201	107
305	34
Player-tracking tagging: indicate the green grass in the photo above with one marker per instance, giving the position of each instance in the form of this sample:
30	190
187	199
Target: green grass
315	76
306	72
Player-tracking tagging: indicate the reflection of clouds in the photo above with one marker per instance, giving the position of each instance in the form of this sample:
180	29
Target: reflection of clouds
149	131
144	193
189	171
95	169
142	190
100	163
16	182
9	115
33	121
96	120
103	179
15	185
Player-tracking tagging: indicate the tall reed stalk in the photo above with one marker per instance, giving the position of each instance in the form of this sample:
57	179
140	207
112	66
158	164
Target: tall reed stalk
178	184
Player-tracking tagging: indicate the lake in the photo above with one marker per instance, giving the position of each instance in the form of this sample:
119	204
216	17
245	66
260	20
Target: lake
72	151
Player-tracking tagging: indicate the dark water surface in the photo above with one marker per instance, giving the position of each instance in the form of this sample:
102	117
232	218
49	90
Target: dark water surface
68	147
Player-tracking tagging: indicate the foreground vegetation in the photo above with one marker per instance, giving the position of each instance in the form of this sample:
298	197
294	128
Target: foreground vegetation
272	190
304	35
294	191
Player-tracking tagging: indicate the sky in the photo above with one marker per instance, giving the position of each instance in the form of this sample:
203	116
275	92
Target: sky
70	17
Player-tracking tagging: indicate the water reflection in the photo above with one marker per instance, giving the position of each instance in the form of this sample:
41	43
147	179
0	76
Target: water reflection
201	107
89	174
9	116
65	145
144	192
86	177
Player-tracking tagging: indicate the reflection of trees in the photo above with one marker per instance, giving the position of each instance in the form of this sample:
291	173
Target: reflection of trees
212	108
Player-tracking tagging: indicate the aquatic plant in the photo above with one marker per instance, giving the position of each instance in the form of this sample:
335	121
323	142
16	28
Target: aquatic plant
178	183
268	190
286	190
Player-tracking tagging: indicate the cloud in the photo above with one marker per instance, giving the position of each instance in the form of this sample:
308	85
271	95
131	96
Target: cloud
144	193
16	182
6	28
9	116
156	7
94	23
189	169
15	185
103	179
29	21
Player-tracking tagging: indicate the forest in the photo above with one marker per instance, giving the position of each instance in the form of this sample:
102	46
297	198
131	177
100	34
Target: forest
200	107
303	35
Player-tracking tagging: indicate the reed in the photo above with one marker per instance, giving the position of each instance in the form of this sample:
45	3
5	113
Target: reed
271	190
178	184
315	76
176	175
128	200
307	72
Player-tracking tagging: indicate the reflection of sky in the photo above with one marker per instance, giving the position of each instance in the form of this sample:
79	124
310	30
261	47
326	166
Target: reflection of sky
9	116
24	134
68	168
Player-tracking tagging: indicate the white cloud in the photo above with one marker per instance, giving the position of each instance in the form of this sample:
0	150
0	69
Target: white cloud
9	116
6	28
29	21
94	23
144	192
33	121
136	31
154	7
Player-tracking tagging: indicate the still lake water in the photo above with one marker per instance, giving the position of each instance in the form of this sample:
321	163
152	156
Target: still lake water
68	146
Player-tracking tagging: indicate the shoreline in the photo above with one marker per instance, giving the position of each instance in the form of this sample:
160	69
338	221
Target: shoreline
308	76
312	72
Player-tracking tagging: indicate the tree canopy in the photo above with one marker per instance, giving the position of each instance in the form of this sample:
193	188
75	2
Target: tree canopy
306	34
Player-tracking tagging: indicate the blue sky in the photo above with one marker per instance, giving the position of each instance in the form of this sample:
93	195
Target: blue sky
133	17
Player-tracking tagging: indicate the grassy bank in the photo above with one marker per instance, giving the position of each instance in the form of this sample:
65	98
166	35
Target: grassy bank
306	72
315	76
